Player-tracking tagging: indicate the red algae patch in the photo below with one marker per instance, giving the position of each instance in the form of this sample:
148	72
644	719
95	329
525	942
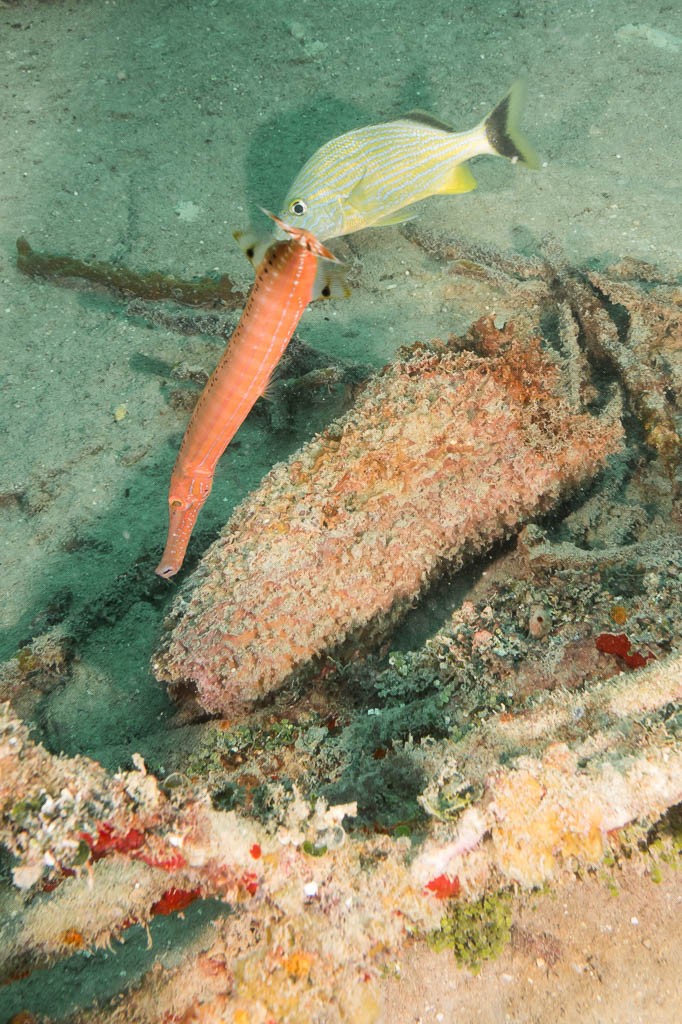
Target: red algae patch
447	451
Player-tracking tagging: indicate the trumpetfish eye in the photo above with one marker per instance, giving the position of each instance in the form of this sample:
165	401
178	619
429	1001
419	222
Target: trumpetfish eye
298	206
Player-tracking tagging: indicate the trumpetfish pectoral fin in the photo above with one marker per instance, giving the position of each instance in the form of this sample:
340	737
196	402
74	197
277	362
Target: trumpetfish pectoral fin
253	245
330	282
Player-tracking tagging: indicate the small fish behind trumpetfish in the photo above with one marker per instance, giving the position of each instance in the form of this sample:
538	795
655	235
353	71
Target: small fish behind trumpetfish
367	177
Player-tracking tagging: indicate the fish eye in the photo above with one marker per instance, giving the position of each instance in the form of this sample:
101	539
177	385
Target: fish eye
298	206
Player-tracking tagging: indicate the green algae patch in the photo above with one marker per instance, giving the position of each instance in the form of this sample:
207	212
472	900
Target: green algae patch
476	931
203	291
664	844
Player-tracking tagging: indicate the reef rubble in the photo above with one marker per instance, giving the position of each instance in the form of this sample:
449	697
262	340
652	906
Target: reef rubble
533	737
119	850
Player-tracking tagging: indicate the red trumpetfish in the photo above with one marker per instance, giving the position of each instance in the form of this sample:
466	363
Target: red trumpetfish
285	284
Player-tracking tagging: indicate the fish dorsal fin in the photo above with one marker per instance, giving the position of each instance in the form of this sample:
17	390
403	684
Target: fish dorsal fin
423	118
460	179
330	282
253	245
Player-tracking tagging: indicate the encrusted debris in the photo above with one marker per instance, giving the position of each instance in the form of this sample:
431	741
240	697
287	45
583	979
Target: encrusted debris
447	451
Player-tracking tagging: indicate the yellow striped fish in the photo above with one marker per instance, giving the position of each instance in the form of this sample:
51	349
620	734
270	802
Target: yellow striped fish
367	177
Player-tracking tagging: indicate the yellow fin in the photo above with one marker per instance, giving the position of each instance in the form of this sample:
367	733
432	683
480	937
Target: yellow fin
459	180
358	199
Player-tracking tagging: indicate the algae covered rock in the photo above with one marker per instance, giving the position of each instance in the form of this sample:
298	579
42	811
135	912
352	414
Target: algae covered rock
448	450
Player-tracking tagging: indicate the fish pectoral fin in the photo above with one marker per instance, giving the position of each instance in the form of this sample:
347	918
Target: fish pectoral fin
397	217
253	245
331	282
459	180
360	198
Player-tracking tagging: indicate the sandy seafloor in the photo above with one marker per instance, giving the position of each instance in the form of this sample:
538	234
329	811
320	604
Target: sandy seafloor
145	132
